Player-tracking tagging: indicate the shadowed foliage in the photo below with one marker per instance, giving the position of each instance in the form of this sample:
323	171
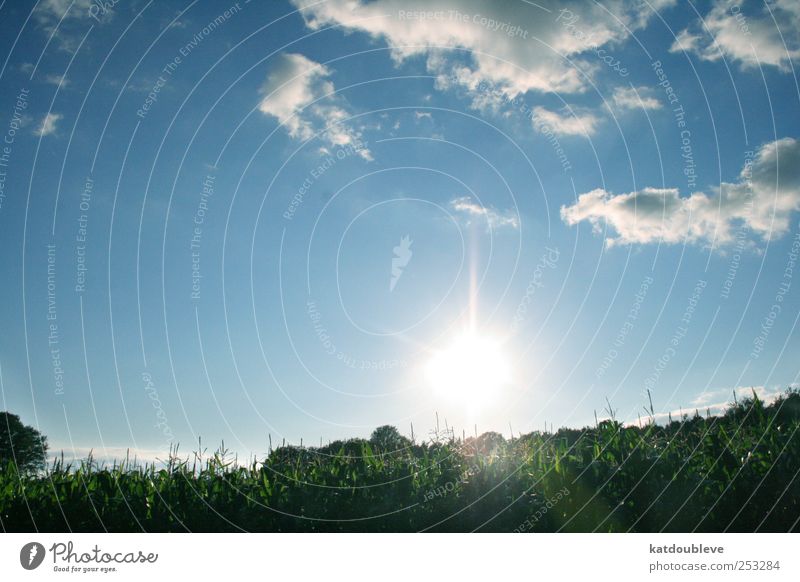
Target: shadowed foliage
388	439
21	444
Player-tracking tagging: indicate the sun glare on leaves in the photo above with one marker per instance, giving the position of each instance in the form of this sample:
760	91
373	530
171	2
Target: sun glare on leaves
470	371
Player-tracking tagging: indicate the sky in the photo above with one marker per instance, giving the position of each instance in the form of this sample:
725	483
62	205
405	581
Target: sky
253	220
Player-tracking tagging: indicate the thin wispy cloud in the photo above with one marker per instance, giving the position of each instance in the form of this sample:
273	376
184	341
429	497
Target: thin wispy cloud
48	124
473	211
109	455
715	403
55	10
49	78
66	21
59	80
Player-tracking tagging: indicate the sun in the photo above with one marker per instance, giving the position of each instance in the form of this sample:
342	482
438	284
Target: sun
471	370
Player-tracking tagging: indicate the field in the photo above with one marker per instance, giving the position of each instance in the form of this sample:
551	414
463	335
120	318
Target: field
736	472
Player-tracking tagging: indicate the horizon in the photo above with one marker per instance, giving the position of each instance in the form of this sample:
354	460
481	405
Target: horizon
313	219
429	438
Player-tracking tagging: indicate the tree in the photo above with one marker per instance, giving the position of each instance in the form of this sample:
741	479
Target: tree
23	445
489	443
387	438
351	448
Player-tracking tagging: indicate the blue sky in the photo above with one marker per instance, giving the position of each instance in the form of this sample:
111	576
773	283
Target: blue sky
243	219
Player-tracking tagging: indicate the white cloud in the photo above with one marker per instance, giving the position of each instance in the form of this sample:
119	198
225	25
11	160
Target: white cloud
750	33
108	455
761	200
50	12
48	124
717	402
566	122
299	94
293	84
635	98
515	46
494	219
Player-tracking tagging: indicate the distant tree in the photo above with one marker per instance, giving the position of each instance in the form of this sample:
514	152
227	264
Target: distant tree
290	454
387	438
351	448
21	444
489	443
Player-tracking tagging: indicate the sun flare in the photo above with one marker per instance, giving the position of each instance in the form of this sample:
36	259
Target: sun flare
470	370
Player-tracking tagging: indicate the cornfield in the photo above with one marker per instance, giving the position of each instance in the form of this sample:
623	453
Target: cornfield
734	472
